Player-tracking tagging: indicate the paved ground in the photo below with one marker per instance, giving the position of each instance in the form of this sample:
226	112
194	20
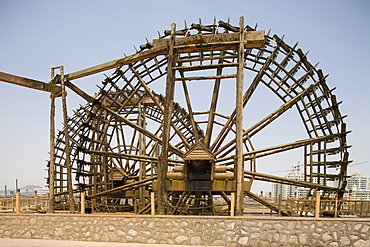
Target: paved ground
7	242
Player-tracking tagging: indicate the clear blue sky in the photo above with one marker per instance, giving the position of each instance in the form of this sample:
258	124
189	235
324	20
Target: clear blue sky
37	35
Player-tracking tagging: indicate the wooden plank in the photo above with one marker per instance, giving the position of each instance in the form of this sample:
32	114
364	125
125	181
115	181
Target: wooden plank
251	39
30	83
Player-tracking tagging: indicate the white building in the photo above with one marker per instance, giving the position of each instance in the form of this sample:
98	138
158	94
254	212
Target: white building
358	186
290	191
357	182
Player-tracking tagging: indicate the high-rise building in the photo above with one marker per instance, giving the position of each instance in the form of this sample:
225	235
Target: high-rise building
358	187
357	182
290	191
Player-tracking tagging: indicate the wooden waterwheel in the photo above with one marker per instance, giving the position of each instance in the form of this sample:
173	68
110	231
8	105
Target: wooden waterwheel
196	115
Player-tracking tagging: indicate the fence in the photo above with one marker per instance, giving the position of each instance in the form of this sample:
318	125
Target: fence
296	207
18	204
335	208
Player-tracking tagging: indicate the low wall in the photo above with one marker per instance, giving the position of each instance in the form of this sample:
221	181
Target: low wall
189	230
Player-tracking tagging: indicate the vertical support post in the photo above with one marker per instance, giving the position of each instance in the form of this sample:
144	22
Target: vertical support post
82	202
311	162
142	169
239	163
305	164
336	207
170	90
152	203
18	202
279	205
232	205
36	200
93	204
13	203
317	206
67	143
135	205
52	151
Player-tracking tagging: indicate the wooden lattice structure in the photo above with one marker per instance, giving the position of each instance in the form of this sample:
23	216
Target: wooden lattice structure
132	137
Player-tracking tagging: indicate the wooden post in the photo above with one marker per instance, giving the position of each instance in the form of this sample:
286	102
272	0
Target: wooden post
232	204
152	203
279	205
317	206
18	202
82	202
52	151
239	163
135	205
142	145
93	203
336	207
13	203
170	90
67	143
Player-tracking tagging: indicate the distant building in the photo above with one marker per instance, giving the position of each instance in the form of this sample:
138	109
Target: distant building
42	191
358	186
290	191
357	182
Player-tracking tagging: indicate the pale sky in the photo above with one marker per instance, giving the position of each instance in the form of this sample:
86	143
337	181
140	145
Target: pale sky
37	35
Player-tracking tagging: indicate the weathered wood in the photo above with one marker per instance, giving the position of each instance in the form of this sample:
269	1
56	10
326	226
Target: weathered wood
247	95
126	101
211	42
170	90
219	41
30	83
199	78
214	100
205	67
67	144
190	110
268	119
239	162
52	152
259	153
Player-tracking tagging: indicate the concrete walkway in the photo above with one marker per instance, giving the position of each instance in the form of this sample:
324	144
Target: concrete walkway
8	242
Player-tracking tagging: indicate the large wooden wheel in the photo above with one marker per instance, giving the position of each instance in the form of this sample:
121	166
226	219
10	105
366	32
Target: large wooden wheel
200	113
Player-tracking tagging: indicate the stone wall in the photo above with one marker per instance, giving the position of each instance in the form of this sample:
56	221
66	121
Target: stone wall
191	230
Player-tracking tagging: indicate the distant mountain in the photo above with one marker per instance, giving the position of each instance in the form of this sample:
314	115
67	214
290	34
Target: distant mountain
30	187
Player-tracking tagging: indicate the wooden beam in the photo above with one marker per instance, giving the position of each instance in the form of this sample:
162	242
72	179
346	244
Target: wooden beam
247	95
170	91
258	153
68	162
220	41
90	99
30	83
239	162
227	148
213	106
190	110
